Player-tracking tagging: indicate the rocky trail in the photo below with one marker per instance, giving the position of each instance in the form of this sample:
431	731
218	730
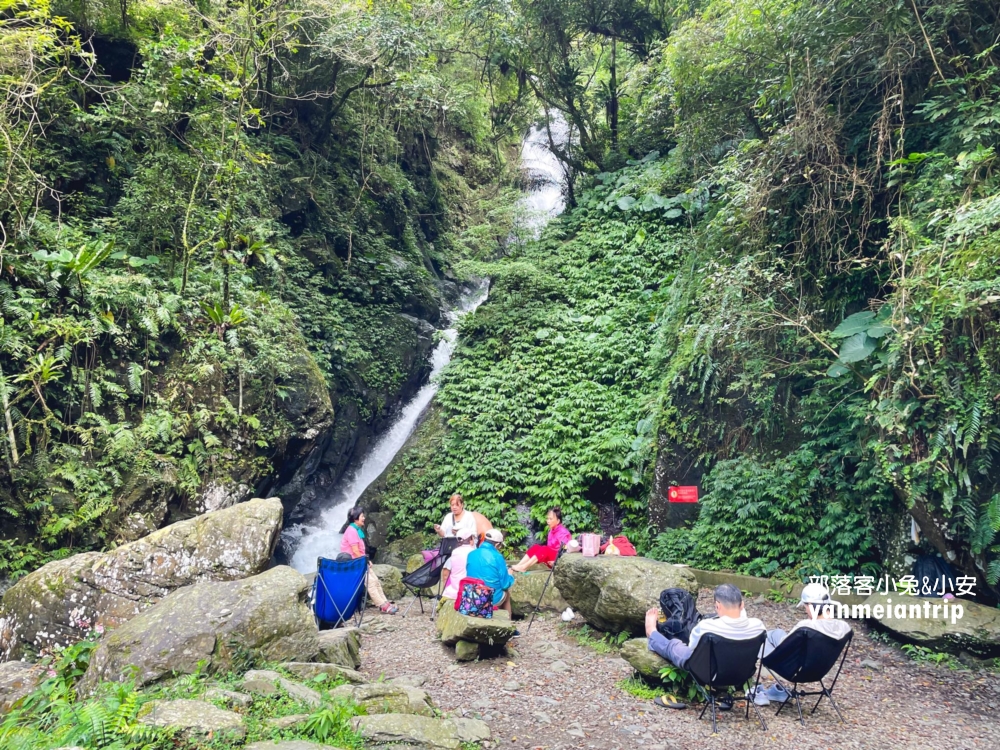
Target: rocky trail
550	691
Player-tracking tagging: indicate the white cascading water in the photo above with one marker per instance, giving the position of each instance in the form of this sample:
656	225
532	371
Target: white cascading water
542	200
322	539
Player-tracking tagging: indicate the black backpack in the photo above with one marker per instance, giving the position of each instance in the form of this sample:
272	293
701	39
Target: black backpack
681	612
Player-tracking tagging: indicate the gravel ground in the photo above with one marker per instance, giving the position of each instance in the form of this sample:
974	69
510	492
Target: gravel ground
551	692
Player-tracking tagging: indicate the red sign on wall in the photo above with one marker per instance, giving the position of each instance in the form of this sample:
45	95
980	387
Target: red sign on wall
682	494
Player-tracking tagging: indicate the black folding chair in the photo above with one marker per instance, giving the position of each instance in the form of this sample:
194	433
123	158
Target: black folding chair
428	575
719	662
805	656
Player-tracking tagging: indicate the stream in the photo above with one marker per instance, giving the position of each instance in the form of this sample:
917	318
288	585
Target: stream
543	199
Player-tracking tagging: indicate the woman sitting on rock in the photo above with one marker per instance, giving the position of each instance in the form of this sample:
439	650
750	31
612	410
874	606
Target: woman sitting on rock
558	536
353	544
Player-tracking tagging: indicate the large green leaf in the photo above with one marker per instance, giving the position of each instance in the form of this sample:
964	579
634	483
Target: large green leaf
853	324
857	347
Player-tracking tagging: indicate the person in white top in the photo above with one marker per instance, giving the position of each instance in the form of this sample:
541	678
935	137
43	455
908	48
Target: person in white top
459	520
455	565
819	606
732	622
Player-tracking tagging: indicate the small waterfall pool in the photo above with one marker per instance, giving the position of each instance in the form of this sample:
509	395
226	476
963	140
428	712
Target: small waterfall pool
543	199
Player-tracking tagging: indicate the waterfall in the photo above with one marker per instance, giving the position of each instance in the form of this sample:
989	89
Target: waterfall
543	199
322	538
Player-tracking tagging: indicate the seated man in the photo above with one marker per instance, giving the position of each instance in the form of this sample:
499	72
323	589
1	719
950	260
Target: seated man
819	608
732	622
487	564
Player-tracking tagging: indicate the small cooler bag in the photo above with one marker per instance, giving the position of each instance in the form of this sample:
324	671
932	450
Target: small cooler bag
591	544
474	598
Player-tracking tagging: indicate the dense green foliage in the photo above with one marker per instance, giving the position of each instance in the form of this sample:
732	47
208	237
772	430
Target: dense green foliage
213	216
553	376
777	278
824	349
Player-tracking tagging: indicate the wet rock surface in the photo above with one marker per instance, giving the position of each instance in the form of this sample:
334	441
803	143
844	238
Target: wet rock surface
61	601
206	623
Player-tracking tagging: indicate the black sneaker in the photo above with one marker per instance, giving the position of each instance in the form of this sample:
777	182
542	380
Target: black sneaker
517	634
724	702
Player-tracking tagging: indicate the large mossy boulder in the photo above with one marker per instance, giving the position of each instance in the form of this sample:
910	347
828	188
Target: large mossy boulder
453	627
527	592
976	631
613	593
386	698
208	625
647	663
420	732
61	601
17	680
192	719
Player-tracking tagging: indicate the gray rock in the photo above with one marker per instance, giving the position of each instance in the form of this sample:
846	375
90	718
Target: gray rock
62	600
398	552
263	688
287	722
229	697
287	745
472	730
386	698
647	663
527	589
613	593
872	664
192	718
420	732
341	646
391	579
267	614
559	666
296	691
978	630
309	670
466	651
454	627
17	680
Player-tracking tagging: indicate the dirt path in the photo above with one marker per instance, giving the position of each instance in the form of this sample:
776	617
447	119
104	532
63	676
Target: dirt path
551	692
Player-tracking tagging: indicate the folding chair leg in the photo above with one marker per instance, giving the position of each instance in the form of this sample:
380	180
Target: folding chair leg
798	704
827	694
760	718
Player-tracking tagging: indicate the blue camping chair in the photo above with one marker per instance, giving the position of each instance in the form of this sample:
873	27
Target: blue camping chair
339	592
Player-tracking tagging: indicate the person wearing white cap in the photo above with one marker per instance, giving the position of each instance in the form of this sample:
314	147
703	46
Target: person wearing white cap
456	564
487	564
819	606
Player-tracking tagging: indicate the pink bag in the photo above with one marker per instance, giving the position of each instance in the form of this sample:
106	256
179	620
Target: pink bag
591	544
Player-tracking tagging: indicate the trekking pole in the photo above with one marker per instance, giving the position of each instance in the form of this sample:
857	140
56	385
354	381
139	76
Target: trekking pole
544	587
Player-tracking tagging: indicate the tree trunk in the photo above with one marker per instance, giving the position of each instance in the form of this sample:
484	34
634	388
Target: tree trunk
10	423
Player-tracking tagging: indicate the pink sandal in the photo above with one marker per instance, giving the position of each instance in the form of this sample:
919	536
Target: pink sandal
389	608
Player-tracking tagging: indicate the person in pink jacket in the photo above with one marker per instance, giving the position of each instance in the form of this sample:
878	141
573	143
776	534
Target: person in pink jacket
353	544
547	553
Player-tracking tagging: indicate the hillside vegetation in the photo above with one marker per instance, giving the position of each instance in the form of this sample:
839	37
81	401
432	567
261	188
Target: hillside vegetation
216	219
788	296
